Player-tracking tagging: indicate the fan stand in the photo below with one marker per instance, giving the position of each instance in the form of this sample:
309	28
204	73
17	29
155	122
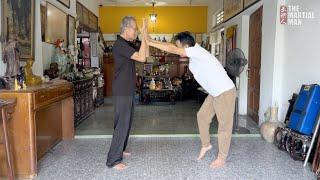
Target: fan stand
236	128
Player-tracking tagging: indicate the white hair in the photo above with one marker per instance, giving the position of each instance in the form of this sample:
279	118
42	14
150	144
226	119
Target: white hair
126	22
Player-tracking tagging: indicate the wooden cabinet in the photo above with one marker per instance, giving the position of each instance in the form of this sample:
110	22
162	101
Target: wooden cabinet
48	129
43	116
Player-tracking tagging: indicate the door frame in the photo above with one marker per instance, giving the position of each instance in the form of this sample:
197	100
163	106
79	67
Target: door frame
254	116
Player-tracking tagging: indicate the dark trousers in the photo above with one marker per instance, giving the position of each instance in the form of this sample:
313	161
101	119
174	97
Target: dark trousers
124	107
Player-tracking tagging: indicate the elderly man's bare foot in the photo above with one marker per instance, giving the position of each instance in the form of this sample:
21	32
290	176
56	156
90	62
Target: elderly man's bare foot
126	154
218	163
120	167
203	151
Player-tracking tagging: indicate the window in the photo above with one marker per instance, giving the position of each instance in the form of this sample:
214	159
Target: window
219	17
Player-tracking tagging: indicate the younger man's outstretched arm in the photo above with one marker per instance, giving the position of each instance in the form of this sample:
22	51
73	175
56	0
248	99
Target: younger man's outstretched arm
168	47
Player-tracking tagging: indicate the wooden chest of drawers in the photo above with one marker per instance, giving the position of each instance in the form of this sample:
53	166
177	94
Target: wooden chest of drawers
43	116
46	96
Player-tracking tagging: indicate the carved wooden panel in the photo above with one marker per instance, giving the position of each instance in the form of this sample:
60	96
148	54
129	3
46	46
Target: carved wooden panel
83	100
231	8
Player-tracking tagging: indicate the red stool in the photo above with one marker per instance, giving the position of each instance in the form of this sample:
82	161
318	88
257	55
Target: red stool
6	109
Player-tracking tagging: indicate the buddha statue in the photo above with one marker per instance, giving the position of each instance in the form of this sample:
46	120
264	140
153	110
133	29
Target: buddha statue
30	78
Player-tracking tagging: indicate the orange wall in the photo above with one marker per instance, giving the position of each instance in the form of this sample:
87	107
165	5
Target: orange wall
169	19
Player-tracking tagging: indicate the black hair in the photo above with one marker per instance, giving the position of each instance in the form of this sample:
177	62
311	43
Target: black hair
185	38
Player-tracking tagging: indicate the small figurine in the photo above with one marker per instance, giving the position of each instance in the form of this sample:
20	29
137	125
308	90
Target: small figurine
20	77
11	56
60	56
152	85
30	78
53	71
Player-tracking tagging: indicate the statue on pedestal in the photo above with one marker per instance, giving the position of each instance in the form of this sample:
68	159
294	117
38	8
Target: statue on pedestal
30	78
60	56
11	56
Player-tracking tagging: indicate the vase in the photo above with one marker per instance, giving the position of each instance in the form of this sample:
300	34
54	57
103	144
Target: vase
268	127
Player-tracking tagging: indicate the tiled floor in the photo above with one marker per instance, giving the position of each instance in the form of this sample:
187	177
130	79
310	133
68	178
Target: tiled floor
166	158
154	119
170	159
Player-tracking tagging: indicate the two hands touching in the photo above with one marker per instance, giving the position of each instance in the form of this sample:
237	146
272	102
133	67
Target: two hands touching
164	46
144	31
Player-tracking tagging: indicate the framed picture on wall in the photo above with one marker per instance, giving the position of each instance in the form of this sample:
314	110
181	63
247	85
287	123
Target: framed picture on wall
249	2
231	8
71	30
93	22
231	37
18	24
85	15
79	12
43	10
65	3
56	24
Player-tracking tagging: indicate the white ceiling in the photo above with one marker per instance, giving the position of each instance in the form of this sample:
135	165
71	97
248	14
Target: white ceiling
157	2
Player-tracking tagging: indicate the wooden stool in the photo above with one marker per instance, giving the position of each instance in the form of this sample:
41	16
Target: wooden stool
6	108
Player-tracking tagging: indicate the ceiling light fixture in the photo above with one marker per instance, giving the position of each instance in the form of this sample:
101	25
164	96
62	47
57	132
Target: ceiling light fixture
153	15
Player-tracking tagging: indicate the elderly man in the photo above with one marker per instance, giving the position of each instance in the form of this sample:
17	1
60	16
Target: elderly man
210	74
124	88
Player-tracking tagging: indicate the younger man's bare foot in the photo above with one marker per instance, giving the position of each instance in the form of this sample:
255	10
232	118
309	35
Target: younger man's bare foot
126	154
218	163
120	167
203	151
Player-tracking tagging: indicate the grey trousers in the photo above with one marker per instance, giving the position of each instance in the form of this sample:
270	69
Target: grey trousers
124	108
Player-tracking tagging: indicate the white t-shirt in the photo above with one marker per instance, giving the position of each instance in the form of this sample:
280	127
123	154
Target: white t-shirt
208	71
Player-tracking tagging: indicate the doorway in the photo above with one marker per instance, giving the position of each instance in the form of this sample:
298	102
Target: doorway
254	66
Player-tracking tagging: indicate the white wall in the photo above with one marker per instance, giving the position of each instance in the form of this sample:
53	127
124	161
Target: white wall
38	63
301	60
289	55
243	94
271	56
